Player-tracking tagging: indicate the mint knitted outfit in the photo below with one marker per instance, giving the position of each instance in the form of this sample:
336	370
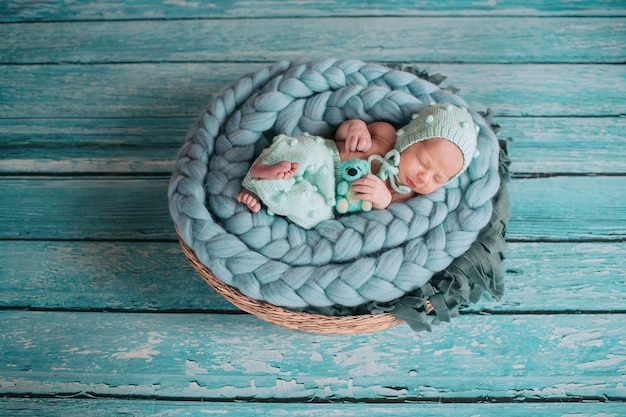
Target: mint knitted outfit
308	198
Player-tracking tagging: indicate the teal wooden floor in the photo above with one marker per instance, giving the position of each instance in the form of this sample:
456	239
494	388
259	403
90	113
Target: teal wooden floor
101	313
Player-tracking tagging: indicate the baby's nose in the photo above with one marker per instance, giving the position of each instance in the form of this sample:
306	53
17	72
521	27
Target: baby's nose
423	177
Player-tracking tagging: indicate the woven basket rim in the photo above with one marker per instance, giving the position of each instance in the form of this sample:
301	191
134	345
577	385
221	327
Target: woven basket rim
290	319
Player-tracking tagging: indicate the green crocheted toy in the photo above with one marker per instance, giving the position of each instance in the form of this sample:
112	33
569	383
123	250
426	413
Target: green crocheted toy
350	171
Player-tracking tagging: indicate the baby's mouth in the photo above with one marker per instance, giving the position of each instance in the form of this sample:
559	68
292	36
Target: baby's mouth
410	183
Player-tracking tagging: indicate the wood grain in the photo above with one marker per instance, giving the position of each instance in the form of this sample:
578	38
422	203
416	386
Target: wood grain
540	277
568	208
467	40
96	407
175	90
541	145
219	357
55	10
136	208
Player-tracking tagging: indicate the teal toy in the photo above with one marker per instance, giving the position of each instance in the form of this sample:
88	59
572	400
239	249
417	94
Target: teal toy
350	171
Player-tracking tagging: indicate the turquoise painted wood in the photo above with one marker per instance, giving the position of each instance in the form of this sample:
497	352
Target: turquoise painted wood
147	146
104	408
503	358
103	315
135	208
491	39
127	276
174	90
15	10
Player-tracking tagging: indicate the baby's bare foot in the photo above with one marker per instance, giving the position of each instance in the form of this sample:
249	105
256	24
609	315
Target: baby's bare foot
279	171
250	199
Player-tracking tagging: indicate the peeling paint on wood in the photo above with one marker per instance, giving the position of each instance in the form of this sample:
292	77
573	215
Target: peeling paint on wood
113	407
102	314
169	355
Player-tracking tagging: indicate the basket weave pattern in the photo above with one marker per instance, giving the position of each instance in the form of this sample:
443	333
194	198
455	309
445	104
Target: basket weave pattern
294	320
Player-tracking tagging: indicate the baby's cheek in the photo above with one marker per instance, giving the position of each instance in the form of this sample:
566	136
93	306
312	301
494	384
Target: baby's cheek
431	188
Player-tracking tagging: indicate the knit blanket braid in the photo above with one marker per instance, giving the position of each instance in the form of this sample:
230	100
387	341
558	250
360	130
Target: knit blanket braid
348	261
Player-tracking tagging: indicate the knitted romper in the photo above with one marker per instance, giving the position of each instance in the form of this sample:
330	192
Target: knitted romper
307	198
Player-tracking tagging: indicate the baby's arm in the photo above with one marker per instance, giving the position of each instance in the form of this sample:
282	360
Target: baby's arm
358	136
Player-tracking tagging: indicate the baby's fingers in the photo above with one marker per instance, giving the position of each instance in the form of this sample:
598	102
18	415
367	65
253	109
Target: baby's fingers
363	187
352	143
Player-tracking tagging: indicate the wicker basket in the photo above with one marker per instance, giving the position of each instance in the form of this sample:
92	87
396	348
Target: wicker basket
294	320
438	299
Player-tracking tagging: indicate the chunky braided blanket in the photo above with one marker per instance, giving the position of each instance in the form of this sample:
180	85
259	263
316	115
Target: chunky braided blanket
355	259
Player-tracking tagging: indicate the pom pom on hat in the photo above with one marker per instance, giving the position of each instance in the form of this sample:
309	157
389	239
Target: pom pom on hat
444	121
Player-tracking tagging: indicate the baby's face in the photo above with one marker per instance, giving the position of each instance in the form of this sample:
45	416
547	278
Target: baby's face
426	166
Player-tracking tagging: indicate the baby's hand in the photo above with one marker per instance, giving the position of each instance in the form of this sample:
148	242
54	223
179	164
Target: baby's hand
373	189
358	137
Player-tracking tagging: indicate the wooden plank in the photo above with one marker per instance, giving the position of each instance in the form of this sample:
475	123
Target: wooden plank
538	90
155	276
175	90
149	145
85	208
558	277
148	276
136	209
217	357
501	40
121	91
568	208
72	145
15	10
565	145
96	407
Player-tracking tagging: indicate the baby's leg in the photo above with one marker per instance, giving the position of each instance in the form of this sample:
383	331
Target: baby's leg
279	171
250	199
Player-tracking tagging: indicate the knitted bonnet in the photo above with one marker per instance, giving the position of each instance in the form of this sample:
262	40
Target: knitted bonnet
444	121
